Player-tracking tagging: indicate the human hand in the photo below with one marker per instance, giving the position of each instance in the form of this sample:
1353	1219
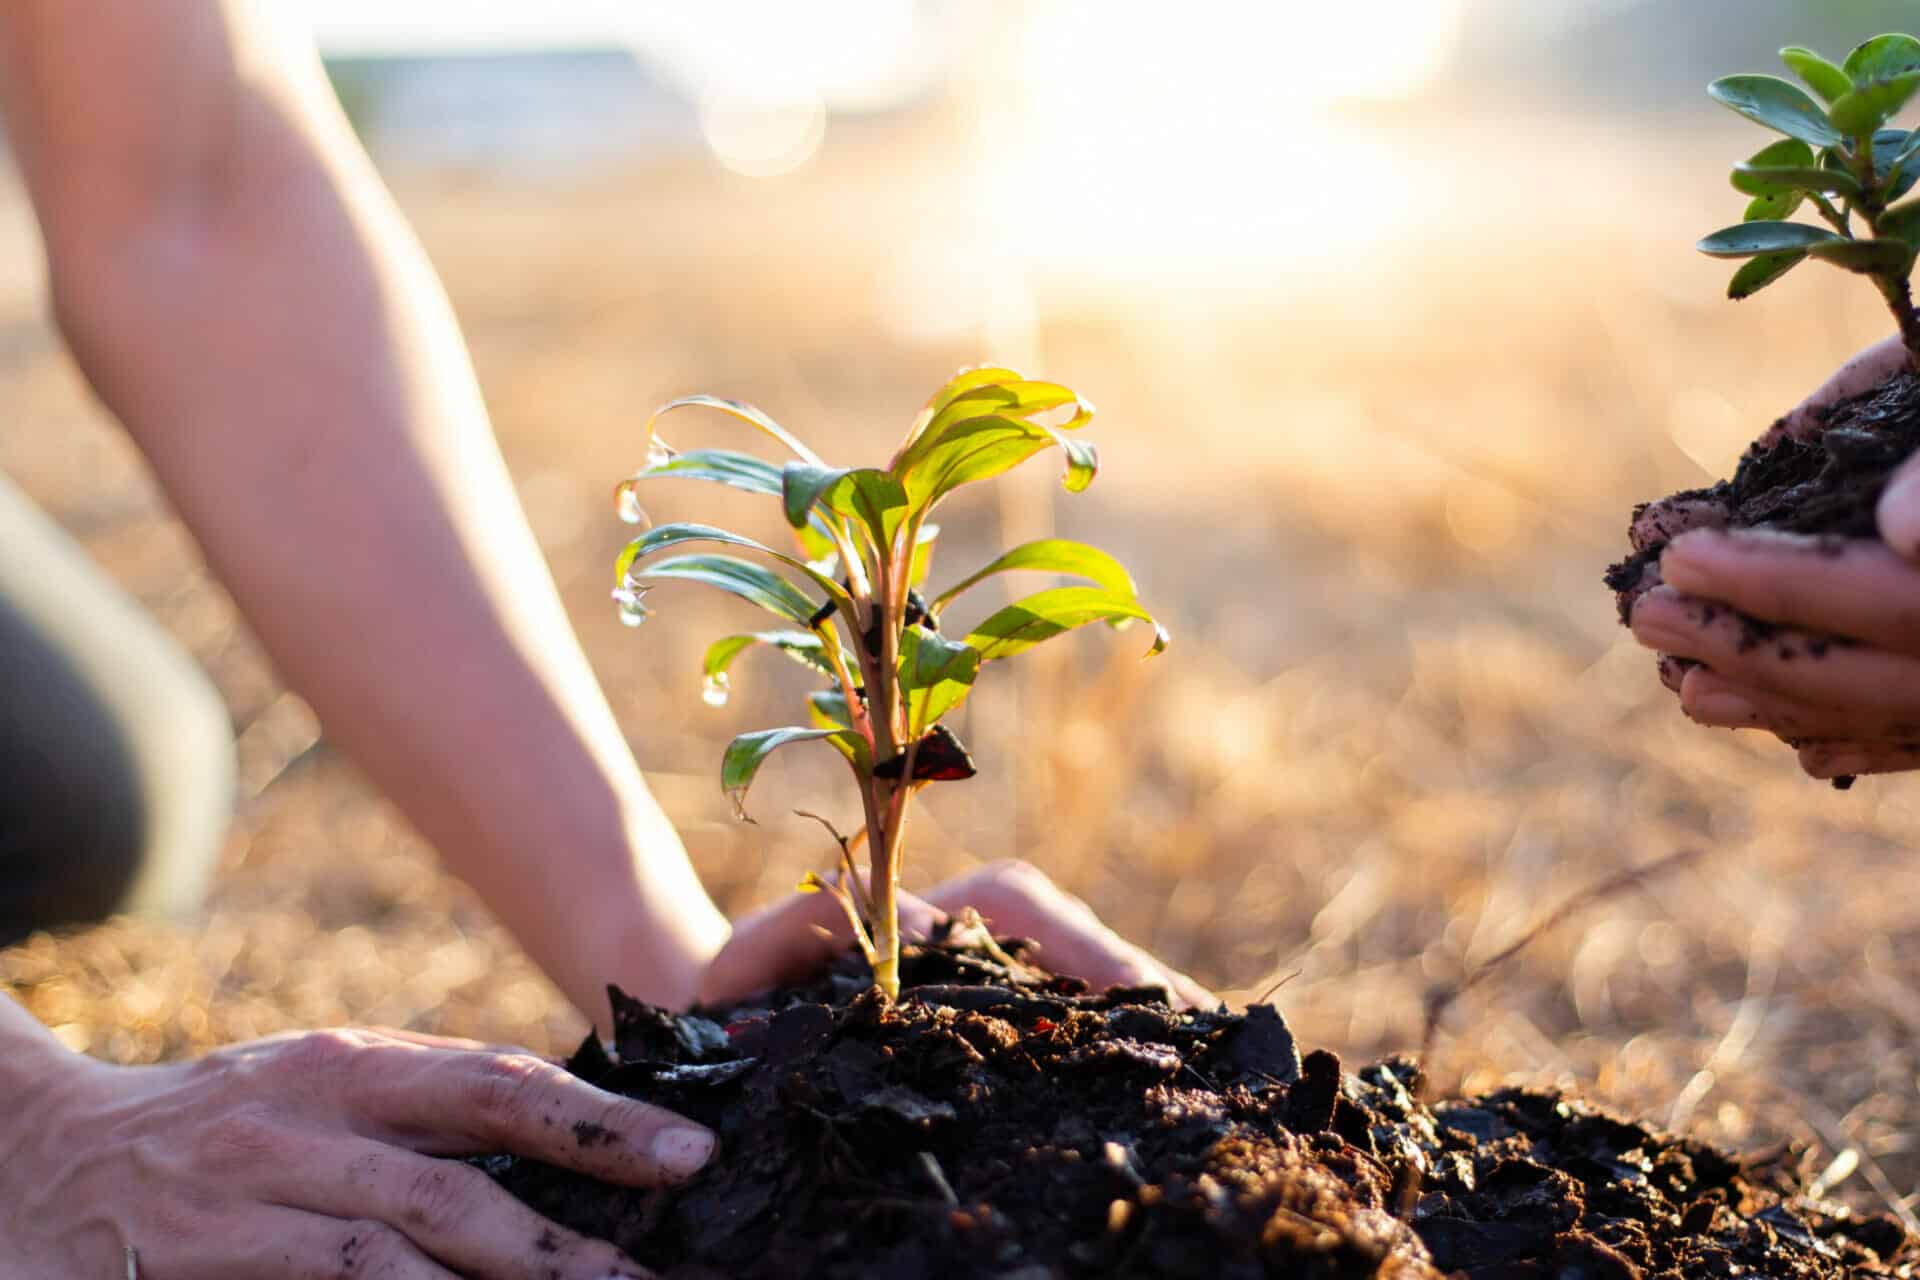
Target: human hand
1834	671
801	934
321	1154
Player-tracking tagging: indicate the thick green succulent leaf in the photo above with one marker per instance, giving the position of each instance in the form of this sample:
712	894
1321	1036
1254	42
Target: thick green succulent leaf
871	496
746	753
1867	108
1051	555
1778	104
746	413
1750	238
1025	623
668	535
1772	180
1773	208
750	582
804	647
1866	256
1903	169
1882	58
1756	274
935	676
1902	222
1823	77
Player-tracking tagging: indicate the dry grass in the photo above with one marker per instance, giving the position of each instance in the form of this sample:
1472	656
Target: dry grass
1398	723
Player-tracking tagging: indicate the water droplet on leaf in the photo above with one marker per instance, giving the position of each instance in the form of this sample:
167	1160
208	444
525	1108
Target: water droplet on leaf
660	453
632	605
626	500
714	689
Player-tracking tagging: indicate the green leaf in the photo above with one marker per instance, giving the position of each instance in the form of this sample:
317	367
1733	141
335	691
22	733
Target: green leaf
1902	170
804	647
1025	623
1772	180
1778	104
873	497
923	540
734	409
935	676
983	447
1750	238
1866	256
1884	57
1827	80
1902	222
827	708
1051	555
739	577
1867	108
746	753
1756	274
722	466
1014	396
668	535
1773	208
739	471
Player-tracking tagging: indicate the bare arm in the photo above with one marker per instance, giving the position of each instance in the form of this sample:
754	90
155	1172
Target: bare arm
241	292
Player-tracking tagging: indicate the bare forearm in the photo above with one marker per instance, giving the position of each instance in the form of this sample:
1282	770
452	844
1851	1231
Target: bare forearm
283	354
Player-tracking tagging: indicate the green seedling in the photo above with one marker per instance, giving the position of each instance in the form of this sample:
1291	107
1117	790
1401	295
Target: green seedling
853	610
1840	157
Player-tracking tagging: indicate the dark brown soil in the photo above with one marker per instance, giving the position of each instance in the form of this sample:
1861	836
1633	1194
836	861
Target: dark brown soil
998	1125
1829	486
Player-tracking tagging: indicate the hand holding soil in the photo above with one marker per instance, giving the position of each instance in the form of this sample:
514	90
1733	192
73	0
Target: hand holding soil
319	1154
1770	598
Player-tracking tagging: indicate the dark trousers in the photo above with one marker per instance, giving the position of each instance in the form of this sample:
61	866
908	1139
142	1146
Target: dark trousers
116	757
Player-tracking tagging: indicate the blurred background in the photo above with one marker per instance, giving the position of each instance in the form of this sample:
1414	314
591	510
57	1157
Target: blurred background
1392	314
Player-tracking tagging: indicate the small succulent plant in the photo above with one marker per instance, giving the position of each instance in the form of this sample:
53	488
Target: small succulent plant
1840	157
853	607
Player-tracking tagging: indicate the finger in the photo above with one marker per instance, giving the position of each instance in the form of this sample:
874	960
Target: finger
1852	759
1862	373
1711	699
442	1103
1673	670
1898	512
459	1044
275	1241
1660	522
1018	899
1857	588
793	939
1804	666
451	1212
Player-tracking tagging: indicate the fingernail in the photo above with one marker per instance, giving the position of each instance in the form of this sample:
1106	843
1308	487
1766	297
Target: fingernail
683	1151
1727	710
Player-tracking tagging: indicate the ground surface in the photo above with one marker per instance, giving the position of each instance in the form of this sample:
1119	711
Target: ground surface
996	1124
1398	723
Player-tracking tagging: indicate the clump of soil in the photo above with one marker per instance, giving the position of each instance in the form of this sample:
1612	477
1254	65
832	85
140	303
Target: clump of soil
1828	486
997	1124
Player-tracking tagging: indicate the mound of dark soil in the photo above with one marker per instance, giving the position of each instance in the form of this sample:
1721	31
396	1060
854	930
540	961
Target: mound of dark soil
1829	486
997	1125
